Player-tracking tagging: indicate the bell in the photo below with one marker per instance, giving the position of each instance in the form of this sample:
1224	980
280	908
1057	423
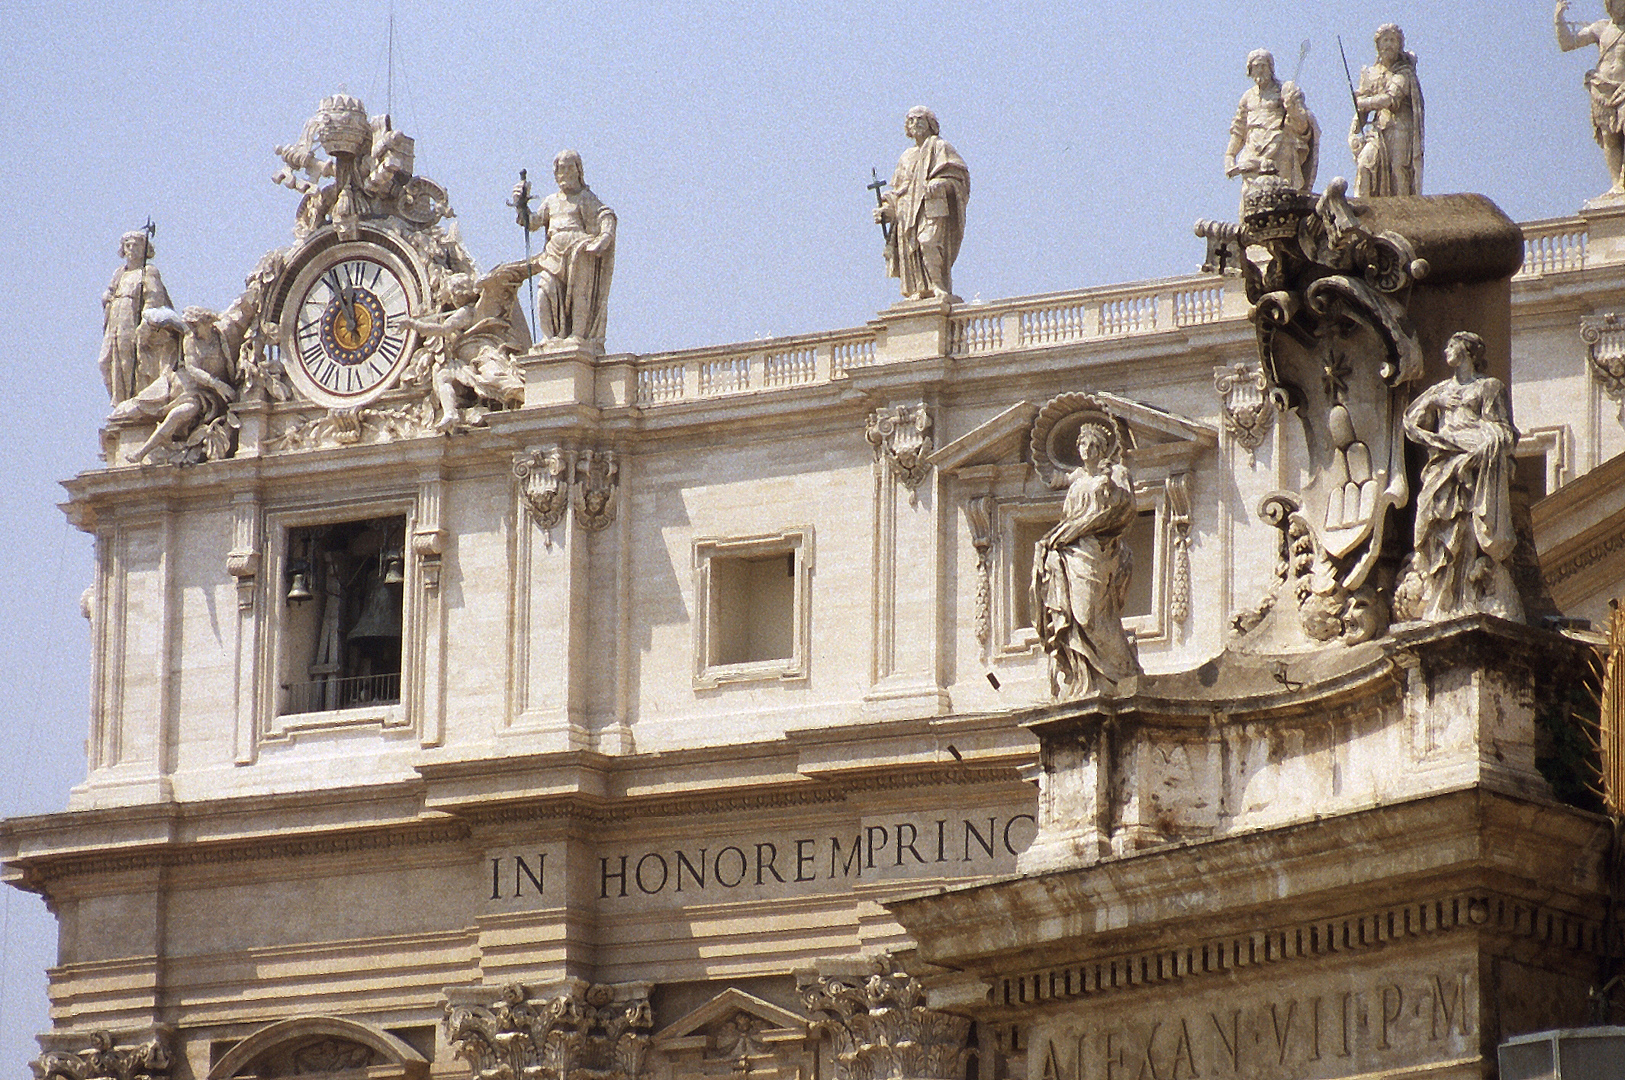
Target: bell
392	569
299	589
380	617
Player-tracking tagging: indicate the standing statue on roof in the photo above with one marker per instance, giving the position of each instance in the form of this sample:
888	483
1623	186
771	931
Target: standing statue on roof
925	211
136	287
1386	137
1273	133
578	260
1606	81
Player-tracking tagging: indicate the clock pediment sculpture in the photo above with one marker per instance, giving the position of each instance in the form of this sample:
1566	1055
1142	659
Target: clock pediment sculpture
344	319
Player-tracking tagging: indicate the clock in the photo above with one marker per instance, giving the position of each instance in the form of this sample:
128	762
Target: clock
345	338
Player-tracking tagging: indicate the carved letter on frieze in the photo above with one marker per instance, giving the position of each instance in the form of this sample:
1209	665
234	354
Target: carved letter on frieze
1604	337
880	1026
1249	408
598	474
102	1059
570	1031
544	476
902	435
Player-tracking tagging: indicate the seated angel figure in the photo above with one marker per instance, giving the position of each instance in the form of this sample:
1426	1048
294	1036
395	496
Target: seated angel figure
195	384
474	340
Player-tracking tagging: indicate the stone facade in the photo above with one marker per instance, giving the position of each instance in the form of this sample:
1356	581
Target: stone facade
692	663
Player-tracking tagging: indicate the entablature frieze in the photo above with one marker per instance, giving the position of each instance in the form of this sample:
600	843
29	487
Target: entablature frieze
59	847
1567	938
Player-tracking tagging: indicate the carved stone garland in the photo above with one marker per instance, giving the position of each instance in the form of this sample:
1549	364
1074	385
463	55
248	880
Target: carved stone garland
979	514
103	1060
902	436
574	1032
1179	522
1604	337
881	1028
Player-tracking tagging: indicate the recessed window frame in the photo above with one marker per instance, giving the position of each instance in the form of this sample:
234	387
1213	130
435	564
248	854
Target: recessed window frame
281	525
1151	628
796	542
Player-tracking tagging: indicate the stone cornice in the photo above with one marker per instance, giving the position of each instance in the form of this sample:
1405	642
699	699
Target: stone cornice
1470	842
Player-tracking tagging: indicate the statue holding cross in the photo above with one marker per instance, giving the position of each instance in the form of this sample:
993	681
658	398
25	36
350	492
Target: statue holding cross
925	209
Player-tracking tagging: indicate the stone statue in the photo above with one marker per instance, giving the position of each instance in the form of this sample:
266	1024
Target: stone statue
474	342
1081	572
1606	81
192	392
136	287
925	211
577	262
1464	531
1274	133
1386	136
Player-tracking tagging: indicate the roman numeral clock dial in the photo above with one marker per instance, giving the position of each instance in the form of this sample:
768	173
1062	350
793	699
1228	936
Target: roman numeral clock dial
345	338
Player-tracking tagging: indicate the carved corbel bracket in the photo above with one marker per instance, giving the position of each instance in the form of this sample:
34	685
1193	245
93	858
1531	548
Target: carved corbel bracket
545	477
98	1056
429	545
598	477
245	567
902	436
244	558
1249	407
1604	337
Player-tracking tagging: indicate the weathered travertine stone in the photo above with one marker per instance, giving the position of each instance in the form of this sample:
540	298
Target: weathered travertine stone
875	1014
578	260
1386	135
925	210
569	1031
1273	133
1464	535
136	288
97	1056
1605	82
1081	570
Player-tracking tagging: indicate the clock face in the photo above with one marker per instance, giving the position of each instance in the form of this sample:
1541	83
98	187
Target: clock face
344	335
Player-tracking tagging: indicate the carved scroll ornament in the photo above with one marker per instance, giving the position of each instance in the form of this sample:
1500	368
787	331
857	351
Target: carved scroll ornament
1604	337
902	436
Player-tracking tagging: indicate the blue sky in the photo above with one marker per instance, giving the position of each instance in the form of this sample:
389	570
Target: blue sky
734	143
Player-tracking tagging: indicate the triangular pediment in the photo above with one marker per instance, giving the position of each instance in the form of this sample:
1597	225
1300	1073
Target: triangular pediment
724	1007
989	443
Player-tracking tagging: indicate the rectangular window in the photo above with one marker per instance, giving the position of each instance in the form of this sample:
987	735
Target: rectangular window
342	620
752	603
